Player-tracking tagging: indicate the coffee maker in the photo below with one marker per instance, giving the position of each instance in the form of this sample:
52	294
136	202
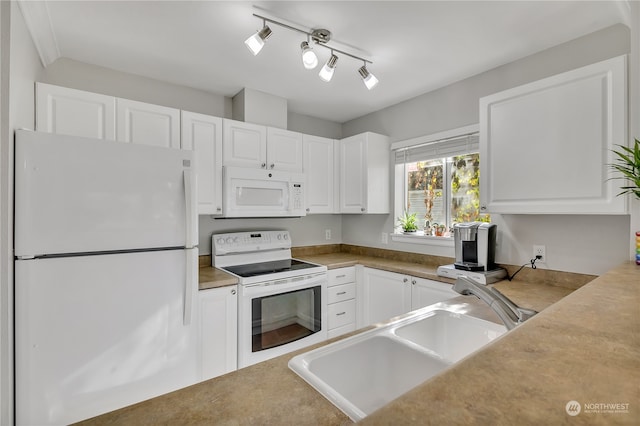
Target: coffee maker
475	249
475	246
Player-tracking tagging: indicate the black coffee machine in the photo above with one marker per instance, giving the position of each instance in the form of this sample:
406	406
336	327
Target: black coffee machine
475	246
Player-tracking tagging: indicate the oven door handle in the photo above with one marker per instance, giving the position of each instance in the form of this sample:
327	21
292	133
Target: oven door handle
286	284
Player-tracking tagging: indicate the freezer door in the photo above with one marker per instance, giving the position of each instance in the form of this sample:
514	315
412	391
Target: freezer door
76	195
96	333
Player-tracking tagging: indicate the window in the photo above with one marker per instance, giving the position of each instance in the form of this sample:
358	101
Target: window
438	180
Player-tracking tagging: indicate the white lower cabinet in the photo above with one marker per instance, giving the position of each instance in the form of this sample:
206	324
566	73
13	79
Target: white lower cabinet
341	301
219	331
426	292
384	295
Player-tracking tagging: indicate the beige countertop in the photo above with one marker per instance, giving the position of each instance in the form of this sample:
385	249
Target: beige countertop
585	347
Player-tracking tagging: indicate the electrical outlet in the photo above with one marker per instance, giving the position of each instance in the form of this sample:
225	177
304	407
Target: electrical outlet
327	234
540	251
384	238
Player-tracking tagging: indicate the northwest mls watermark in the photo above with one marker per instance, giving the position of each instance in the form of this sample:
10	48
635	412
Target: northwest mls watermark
573	408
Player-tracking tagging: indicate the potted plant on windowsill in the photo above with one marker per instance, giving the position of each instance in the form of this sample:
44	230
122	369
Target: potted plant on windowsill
628	165
408	222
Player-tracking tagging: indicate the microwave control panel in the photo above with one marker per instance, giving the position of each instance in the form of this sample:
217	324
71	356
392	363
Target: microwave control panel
297	196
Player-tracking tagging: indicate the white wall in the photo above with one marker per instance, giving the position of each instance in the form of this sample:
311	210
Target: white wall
92	78
588	244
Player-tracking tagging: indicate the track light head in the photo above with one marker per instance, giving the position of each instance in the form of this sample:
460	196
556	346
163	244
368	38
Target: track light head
309	58
369	79
326	73
255	43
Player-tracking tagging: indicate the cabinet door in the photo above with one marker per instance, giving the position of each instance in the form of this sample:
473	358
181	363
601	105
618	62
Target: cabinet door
147	124
545	146
74	112
426	292
353	173
219	331
203	134
244	144
385	295
320	171
284	150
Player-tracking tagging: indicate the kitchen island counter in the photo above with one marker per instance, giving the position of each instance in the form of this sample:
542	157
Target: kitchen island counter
585	348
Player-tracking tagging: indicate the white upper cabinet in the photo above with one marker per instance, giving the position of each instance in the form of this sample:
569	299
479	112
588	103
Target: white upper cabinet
284	150
320	169
364	174
545	146
65	111
203	134
256	146
245	144
147	124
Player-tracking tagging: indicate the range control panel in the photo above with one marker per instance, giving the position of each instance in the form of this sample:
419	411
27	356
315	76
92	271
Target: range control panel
252	241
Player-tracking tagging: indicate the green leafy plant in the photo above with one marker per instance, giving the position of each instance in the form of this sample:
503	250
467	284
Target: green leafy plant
408	222
628	164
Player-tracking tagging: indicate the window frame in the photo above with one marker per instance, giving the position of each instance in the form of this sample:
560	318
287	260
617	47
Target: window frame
400	190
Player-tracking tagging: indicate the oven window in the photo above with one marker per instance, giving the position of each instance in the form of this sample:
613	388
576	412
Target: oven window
284	318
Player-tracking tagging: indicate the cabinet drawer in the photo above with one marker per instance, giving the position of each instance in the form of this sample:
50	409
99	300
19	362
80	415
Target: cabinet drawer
340	293
341	276
342	313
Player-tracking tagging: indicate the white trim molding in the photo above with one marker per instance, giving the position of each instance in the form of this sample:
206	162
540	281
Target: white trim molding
36	16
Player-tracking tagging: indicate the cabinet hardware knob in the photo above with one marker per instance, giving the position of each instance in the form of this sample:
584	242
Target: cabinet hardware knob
413	282
308	209
341	276
233	292
483	207
340	313
219	209
341	293
361	209
263	165
405	280
272	166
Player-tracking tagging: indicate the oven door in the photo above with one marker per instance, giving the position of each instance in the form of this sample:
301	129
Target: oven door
277	317
263	193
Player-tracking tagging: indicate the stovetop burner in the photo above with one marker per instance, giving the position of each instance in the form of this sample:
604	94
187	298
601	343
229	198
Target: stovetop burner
272	267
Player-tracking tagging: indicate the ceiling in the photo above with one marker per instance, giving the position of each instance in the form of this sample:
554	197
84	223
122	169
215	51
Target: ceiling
415	46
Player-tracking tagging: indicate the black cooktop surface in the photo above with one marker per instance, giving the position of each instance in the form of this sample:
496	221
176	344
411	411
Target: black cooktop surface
265	268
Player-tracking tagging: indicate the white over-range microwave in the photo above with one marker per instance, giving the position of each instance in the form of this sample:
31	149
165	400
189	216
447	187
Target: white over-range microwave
262	193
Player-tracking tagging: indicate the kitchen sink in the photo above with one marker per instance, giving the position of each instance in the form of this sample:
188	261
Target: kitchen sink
449	335
365	372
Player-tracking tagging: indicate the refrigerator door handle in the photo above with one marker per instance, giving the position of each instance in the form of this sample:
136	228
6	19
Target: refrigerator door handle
191	269
191	209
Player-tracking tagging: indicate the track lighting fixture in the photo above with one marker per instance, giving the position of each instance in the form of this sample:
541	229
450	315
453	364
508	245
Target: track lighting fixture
309	58
326	73
369	79
320	37
256	41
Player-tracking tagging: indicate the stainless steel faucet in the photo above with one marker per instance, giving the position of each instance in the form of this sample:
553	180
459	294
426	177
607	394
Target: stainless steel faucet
510	313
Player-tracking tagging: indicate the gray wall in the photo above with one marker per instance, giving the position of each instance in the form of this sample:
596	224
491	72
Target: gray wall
589	244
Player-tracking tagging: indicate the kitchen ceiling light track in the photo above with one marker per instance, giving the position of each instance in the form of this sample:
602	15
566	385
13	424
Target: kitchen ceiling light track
320	37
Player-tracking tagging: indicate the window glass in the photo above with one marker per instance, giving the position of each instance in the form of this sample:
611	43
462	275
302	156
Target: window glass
442	192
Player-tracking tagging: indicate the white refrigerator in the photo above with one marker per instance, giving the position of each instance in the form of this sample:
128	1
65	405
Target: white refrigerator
106	274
